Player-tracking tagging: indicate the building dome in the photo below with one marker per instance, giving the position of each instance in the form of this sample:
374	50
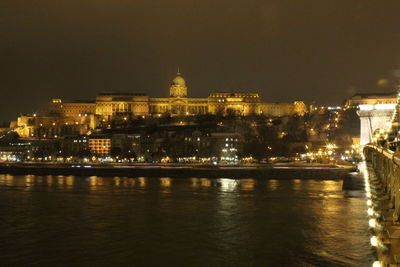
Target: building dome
178	87
178	80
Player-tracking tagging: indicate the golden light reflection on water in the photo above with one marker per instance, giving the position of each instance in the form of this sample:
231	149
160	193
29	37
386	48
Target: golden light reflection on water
118	181
297	184
165	181
31	180
37	180
247	184
206	182
330	185
273	185
93	181
17	181
331	207
49	179
60	179
123	181
142	181
195	182
69	180
28	180
6	179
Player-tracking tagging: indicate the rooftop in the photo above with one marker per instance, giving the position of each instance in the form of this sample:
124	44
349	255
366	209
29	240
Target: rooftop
375	95
120	94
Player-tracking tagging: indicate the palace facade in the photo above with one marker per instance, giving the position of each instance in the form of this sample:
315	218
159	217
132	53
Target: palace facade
111	105
77	117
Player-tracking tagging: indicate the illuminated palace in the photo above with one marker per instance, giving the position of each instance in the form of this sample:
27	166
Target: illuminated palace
79	117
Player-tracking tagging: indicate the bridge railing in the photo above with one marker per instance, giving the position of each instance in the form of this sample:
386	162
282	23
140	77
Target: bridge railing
395	157
386	166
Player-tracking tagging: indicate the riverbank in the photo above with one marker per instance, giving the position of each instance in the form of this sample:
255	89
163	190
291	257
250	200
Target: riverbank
289	171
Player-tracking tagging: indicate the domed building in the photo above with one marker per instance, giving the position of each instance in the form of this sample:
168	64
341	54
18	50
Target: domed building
178	102
178	87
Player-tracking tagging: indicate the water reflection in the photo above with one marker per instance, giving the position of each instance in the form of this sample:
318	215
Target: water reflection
29	180
93	181
123	181
194	182
49	179
336	220
60	180
39	180
129	181
205	182
165	181
117	181
69	180
273	185
247	184
142	181
228	218
296	184
228	185
201	182
330	186
6	179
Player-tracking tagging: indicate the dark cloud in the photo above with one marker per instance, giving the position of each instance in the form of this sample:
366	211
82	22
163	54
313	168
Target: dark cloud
286	50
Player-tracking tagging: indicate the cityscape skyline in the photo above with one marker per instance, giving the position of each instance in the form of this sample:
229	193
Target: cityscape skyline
200	133
386	88
308	50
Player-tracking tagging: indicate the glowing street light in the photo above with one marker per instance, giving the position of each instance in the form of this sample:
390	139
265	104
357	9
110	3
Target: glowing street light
370	212
374	241
372	223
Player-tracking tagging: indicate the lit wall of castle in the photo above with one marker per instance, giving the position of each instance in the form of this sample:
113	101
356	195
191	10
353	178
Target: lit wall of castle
80	116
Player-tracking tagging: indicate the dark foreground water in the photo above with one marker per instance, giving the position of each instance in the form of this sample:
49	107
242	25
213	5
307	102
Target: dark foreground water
94	221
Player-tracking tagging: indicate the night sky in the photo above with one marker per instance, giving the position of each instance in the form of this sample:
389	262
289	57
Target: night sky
311	50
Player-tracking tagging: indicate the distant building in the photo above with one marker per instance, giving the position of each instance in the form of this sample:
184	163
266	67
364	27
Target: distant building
53	127
113	104
71	109
100	145
282	109
227	146
78	117
110	105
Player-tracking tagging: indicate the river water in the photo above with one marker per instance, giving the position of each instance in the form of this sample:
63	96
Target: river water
95	221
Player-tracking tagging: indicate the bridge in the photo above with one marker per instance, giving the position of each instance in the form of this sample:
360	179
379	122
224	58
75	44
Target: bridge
379	136
382	186
376	111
